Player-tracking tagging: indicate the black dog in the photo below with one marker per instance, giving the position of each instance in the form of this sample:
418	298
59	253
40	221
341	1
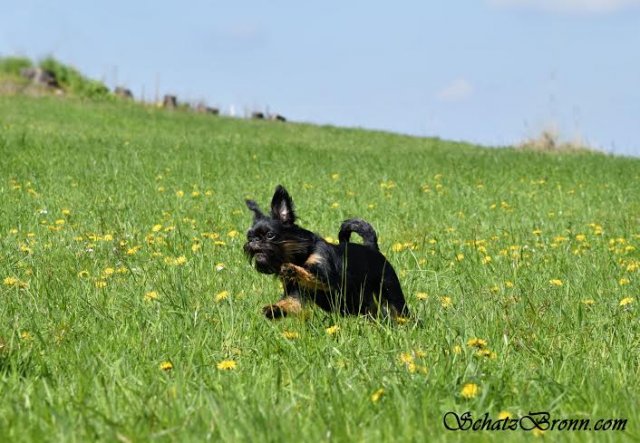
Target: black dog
349	278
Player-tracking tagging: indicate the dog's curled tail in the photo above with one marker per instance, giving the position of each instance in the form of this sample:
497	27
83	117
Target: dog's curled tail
360	227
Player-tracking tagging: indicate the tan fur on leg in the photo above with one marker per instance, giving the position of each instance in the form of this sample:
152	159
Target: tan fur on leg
282	308
303	277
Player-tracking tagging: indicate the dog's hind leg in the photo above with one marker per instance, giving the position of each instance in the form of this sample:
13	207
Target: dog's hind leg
392	294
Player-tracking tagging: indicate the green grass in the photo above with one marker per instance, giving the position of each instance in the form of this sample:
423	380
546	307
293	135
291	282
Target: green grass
100	202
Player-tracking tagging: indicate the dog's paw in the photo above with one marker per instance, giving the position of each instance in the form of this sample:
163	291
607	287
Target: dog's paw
273	312
288	271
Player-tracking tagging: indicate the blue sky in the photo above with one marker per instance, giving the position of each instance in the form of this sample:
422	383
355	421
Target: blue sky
488	71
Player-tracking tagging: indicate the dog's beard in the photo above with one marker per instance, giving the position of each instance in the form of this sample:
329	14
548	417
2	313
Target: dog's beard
266	259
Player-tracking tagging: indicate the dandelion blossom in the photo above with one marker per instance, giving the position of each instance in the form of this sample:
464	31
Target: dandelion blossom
477	343
221	296
556	282
626	301
376	396
470	390
151	295
291	335
332	330
227	365
166	366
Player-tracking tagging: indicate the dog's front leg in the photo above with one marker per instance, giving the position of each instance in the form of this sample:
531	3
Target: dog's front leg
303	277
290	303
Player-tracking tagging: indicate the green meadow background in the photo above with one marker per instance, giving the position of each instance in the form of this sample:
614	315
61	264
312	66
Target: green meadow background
129	313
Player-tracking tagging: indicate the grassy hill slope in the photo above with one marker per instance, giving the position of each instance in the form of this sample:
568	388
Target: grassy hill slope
125	293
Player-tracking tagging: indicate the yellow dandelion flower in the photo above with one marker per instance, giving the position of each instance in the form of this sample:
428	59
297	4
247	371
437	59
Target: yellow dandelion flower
624	281
486	259
181	260
108	271
151	295
460	256
291	335
101	284
389	184
556	282
446	302
504	415
477	343
195	247
457	349
195	194
536	432
397	247
581	237
470	390
332	330
107	237
180	194
221	296
66	212
406	358
626	301
166	366
26	335
486	353
335	205
335	176
156	228
60	222
227	365
536	232
10	281
377	395
219	267
232	234
134	250
508	284
588	302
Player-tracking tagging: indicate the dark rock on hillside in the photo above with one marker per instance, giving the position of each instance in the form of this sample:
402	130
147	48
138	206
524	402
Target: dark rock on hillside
170	101
123	92
204	109
41	77
277	117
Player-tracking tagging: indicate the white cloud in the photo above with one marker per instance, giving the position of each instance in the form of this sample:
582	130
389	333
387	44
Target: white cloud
458	90
568	6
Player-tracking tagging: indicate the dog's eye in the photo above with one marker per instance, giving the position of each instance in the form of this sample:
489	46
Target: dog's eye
271	235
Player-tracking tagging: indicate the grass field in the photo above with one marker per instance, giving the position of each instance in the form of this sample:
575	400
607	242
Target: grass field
129	313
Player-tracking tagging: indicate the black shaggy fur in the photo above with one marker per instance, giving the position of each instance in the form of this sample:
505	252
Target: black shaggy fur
348	278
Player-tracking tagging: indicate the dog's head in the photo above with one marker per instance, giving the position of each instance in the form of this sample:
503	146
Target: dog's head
275	239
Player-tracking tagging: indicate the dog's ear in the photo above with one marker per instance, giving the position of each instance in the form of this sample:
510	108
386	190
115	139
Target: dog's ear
282	206
257	213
